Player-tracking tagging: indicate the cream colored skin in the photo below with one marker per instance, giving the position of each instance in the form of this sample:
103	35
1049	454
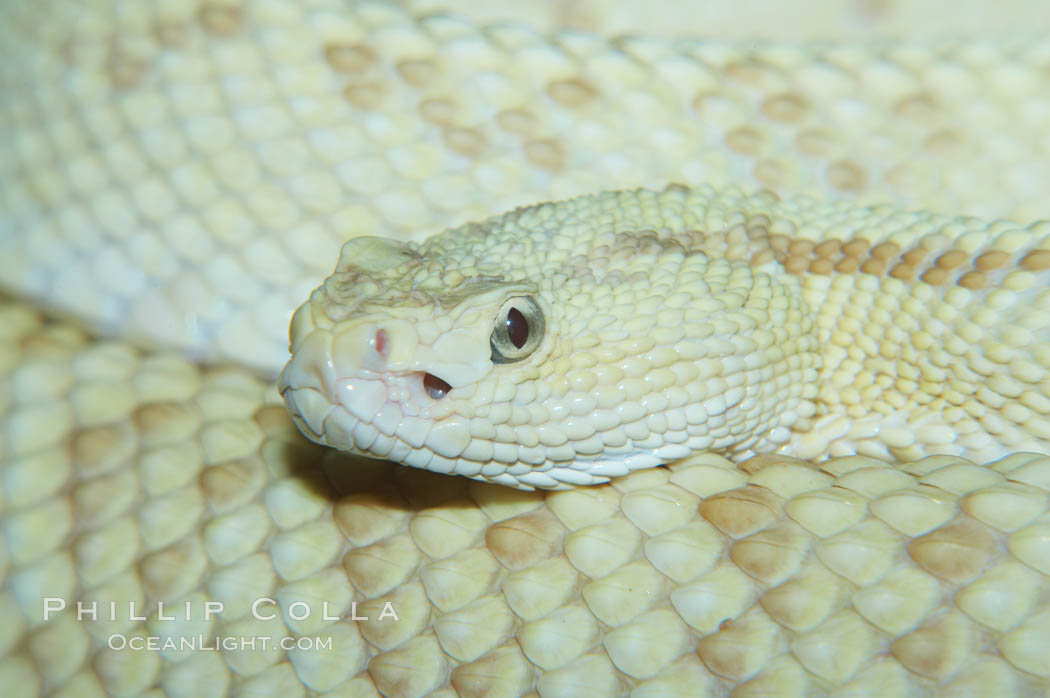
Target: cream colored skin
176	176
678	322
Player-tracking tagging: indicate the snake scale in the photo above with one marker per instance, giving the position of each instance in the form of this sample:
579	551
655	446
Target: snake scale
177	176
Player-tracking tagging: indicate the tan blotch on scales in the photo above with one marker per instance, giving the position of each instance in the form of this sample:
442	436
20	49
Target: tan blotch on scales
678	322
162	482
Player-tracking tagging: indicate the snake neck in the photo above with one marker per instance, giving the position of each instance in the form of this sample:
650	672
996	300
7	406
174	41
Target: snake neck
924	351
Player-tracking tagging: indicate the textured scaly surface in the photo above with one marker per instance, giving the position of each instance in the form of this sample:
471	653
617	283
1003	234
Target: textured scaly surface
655	325
184	173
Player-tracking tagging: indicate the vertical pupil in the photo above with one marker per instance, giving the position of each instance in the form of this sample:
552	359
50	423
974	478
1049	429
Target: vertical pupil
517	327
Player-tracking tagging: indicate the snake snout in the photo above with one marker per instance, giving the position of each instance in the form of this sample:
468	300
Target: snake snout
334	381
324	361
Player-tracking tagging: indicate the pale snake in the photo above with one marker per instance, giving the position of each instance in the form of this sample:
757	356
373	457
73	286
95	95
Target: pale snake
170	136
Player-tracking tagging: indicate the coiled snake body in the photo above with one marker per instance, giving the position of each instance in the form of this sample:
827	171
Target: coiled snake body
176	177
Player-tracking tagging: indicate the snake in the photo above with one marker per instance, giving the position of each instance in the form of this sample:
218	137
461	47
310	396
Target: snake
768	316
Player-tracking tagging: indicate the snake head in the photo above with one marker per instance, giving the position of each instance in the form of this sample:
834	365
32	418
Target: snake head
554	346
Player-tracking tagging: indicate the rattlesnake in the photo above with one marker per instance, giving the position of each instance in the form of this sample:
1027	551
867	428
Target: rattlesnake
177	177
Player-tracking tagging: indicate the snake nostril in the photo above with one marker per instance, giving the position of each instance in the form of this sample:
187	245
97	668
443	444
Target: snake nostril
381	342
435	387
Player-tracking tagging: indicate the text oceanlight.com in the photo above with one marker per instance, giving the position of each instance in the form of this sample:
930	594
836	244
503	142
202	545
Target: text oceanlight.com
228	643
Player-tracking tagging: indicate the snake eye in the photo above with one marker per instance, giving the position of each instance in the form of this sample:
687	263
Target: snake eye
518	330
